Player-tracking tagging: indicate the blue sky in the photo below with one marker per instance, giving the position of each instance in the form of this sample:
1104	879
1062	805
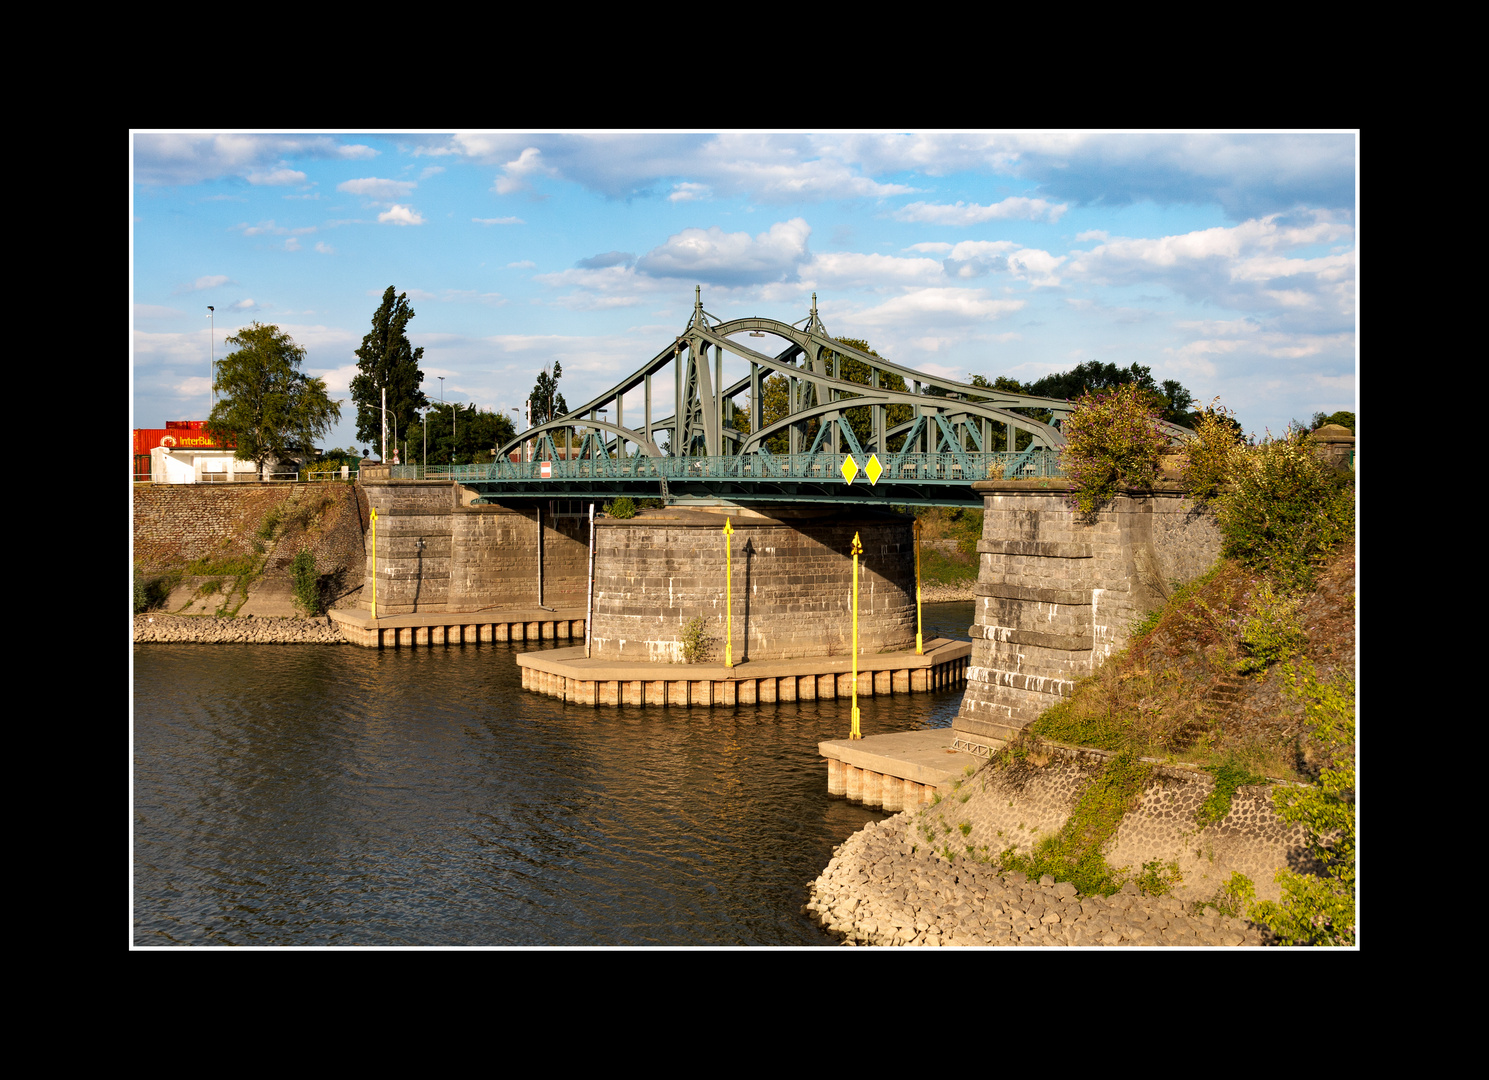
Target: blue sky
1225	261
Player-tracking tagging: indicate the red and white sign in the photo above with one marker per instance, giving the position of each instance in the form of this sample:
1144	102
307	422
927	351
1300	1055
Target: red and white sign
546	469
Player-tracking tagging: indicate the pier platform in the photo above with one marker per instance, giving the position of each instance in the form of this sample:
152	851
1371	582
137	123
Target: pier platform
459	627
567	674
899	771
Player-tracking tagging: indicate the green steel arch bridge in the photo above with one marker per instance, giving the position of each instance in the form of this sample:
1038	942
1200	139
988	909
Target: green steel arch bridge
687	444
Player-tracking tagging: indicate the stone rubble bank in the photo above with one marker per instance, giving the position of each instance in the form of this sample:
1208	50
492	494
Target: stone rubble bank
213	631
882	887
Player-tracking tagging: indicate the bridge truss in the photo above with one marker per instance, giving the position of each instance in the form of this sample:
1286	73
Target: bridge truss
921	438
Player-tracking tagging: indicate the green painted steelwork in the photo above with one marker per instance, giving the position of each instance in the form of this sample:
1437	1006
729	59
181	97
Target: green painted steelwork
697	452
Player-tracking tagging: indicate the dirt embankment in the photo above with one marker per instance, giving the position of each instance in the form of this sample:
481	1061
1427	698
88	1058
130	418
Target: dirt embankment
225	552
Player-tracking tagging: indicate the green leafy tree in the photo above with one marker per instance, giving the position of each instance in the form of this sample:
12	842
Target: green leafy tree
387	361
266	405
475	434
776	404
546	402
1343	418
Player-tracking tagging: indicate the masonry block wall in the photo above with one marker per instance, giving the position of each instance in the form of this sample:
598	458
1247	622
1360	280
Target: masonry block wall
436	555
494	558
179	523
175	523
792	585
1056	595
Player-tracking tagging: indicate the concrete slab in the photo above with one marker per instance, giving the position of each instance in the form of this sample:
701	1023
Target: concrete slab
272	597
571	662
363	619
924	756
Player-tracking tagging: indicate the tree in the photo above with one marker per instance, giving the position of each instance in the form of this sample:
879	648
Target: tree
386	361
476	434
1344	419
266	406
547	403
775	404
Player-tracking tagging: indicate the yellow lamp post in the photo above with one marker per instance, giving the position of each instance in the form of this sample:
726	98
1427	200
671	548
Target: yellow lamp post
857	550
373	519
728	595
918	650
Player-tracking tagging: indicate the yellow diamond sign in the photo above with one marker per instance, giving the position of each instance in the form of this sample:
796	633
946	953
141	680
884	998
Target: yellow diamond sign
873	469
850	468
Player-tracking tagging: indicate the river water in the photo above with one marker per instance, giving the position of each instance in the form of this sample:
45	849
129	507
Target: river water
331	795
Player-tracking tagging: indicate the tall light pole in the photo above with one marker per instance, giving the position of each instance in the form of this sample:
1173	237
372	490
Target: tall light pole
442	402
212	337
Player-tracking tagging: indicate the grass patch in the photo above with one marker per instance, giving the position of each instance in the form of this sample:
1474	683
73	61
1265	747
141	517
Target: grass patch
1074	853
1229	776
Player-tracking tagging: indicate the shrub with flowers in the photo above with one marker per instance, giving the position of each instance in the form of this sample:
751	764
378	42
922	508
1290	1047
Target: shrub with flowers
1287	510
1212	459
1112	440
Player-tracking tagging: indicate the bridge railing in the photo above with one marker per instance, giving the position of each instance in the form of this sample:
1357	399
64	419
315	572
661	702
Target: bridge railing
946	468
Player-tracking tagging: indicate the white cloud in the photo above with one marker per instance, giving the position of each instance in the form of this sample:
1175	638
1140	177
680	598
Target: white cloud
937	246
471	296
843	269
269	228
961	305
210	281
974	258
1092	234
171	158
339	380
715	256
517	175
373	187
400	215
324	248
276	177
194	386
292	244
525	264
155	311
1015	207
1241	267
431	170
689	192
246	304
498	221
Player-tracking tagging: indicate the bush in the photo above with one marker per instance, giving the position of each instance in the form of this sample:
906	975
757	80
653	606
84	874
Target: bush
306	585
1271	633
623	507
695	642
1287	511
1212	459
1320	910
1112	440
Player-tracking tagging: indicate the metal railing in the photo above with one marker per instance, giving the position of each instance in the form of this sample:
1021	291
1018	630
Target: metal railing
916	468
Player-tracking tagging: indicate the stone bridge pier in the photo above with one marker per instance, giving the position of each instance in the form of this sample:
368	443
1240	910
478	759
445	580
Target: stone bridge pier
1056	595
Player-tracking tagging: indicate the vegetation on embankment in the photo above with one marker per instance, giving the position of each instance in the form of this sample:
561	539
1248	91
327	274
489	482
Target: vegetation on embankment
308	534
948	546
1248	673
